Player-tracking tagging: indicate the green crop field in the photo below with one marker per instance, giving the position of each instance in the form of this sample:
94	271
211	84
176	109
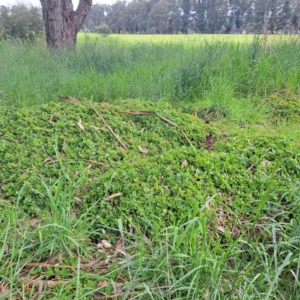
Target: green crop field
190	39
150	167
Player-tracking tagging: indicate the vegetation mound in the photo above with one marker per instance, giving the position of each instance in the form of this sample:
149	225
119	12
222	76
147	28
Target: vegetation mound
145	163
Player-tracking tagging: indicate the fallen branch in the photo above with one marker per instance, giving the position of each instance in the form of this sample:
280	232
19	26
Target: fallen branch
138	112
141	112
102	264
50	160
252	165
105	123
68	99
113	196
41	283
116	295
94	162
175	125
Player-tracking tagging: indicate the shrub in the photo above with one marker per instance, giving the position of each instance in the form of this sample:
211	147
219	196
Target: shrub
102	29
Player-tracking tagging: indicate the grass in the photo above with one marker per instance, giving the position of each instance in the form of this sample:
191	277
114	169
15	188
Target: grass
187	40
171	71
204	209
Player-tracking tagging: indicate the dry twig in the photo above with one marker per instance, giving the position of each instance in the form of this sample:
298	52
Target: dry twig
175	125
94	263
252	165
68	99
141	112
105	123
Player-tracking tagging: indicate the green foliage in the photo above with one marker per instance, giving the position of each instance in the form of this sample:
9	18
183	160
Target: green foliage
214	219
217	73
21	22
188	81
46	145
239	188
284	106
203	16
102	29
62	135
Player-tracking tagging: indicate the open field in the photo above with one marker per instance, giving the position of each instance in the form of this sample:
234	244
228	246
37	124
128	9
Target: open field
187	40
176	175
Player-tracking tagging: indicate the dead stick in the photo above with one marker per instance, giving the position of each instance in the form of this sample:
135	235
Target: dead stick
94	162
82	159
117	295
105	123
40	282
161	117
45	265
175	125
252	165
137	112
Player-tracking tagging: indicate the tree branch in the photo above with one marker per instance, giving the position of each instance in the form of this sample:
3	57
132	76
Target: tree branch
81	12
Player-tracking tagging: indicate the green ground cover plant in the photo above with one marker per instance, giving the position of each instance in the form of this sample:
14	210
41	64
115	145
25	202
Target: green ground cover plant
177	179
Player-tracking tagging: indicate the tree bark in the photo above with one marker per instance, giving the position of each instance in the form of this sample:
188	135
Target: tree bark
62	23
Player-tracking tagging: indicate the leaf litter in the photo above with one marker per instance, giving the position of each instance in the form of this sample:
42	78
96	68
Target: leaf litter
79	123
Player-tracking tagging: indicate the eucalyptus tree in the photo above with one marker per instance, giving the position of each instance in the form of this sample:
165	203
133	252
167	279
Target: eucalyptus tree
137	14
159	16
201	9
96	16
284	16
186	8
62	22
117	18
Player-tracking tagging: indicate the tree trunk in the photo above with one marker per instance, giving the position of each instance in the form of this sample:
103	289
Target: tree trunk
62	23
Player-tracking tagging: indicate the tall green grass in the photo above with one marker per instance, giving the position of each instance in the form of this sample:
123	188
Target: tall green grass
180	262
220	73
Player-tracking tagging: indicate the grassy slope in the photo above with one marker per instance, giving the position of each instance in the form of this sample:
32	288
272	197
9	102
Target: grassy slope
223	226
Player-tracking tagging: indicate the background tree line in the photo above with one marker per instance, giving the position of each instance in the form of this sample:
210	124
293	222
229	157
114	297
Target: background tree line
21	21
167	16
197	16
